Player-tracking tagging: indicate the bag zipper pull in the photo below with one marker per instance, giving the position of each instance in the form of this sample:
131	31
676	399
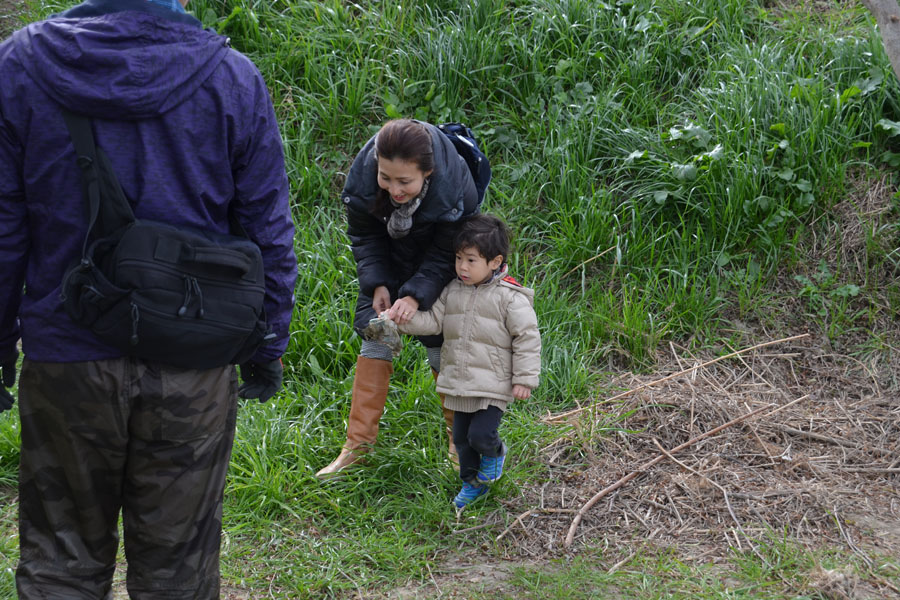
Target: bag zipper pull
187	296
199	292
135	317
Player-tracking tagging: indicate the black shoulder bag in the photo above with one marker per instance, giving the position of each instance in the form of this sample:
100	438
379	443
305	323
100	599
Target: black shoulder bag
179	296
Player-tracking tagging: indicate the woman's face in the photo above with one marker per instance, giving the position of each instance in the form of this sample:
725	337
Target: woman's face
401	179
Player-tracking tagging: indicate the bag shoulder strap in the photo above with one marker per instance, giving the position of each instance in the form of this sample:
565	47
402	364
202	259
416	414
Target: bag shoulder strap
108	207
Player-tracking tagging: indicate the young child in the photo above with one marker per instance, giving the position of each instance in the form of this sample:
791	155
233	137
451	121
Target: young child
491	352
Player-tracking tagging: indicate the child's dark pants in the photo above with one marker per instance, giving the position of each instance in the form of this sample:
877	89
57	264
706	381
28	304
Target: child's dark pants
475	435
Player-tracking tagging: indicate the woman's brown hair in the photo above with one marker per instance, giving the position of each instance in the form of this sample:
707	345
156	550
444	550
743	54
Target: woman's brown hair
406	140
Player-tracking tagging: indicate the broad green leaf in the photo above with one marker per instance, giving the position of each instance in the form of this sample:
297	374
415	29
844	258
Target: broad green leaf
803	185
635	155
892	127
715	154
849	93
686	172
785	173
846	291
891	158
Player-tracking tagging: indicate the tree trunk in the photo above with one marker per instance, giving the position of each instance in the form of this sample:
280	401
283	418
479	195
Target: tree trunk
887	15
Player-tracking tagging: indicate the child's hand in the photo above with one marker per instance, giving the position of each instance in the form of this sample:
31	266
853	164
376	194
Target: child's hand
520	392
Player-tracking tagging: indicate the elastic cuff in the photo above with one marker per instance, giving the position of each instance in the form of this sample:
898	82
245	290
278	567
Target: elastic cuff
434	358
376	350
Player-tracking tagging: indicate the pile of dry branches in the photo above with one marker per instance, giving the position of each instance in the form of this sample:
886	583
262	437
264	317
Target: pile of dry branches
777	439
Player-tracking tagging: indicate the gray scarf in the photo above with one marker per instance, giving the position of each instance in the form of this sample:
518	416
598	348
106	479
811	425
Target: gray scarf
401	218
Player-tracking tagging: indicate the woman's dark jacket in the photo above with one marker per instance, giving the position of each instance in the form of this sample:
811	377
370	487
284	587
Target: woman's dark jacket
421	263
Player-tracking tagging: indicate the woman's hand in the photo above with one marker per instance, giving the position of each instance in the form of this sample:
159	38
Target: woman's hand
381	300
403	310
520	392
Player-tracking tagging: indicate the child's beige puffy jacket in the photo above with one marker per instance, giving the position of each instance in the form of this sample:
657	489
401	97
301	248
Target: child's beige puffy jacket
491	338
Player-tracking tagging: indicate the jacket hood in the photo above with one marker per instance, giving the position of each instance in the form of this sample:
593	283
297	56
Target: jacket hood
503	278
123	59
527	292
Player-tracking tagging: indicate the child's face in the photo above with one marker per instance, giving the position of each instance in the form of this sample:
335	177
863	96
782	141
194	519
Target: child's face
472	268
401	179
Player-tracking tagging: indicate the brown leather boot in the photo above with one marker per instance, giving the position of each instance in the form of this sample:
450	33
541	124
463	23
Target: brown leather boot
370	389
448	419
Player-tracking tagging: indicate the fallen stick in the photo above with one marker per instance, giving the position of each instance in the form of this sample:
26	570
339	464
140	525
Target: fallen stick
534	511
830	440
616	566
570	537
868	470
724	494
518	519
593	258
566	415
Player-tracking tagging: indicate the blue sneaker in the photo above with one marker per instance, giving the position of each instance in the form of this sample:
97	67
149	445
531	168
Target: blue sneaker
492	466
468	494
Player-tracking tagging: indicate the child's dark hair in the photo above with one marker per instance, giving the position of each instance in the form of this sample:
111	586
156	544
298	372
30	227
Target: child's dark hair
486	233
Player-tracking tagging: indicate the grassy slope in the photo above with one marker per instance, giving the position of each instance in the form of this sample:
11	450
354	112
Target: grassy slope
660	163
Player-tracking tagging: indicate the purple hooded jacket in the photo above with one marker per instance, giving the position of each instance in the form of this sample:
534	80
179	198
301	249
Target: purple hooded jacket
189	127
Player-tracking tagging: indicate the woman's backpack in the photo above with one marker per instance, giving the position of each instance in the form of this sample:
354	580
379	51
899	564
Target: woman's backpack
467	146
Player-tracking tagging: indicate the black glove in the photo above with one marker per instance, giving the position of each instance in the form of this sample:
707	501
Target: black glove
261	380
8	378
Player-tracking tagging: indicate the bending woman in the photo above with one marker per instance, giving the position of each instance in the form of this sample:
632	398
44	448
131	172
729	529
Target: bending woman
405	194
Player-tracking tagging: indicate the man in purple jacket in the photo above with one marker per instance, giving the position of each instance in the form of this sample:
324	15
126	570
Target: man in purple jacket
191	133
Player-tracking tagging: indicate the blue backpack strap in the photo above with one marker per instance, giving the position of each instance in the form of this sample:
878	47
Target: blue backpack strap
467	146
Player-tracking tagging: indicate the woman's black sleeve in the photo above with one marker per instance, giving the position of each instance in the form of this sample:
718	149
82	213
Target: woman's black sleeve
370	244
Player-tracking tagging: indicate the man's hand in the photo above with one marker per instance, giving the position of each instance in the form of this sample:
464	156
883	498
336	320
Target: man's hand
8	379
261	380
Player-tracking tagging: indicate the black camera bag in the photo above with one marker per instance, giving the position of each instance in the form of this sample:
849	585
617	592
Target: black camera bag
179	296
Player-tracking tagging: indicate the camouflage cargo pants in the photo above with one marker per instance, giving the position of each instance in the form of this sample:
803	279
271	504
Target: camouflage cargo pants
104	436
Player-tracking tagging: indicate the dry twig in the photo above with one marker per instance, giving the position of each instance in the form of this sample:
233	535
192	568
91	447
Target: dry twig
724	494
563	416
831	440
592	259
570	537
518	519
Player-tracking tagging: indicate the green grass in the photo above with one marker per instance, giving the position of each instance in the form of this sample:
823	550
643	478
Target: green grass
654	574
659	162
